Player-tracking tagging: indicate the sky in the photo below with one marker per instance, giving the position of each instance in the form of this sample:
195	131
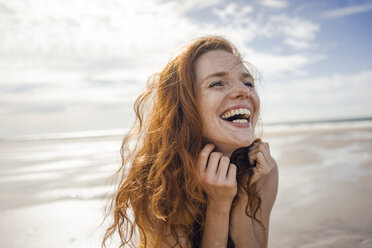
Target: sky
78	65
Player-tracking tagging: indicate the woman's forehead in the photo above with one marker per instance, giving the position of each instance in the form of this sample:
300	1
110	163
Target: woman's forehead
217	61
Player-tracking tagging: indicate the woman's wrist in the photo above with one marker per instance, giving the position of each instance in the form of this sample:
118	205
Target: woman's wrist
219	208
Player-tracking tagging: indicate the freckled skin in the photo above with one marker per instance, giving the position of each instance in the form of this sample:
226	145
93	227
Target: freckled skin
214	100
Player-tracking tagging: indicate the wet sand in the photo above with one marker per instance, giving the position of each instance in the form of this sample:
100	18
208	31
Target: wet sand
325	189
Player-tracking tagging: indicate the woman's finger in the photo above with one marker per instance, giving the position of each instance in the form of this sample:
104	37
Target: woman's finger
258	156
260	160
253	157
214	160
203	158
231	173
260	170
254	145
223	167
263	148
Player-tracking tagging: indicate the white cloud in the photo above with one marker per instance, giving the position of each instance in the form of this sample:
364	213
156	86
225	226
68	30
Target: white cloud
276	4
296	32
297	28
335	96
350	10
91	30
85	55
231	12
271	65
194	4
297	44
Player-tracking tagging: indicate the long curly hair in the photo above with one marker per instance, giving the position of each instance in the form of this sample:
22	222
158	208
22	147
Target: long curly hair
158	193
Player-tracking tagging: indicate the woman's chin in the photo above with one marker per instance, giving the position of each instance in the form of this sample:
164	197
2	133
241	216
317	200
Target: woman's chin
227	144
228	149
242	143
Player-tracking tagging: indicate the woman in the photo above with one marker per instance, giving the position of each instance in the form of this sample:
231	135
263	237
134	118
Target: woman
197	177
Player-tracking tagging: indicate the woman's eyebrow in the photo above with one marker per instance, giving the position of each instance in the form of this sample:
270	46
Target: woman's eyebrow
246	75
217	74
223	74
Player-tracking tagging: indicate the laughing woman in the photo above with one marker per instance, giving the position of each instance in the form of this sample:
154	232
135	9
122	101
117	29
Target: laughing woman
193	172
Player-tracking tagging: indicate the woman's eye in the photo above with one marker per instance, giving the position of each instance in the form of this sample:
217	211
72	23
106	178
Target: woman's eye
249	84
216	83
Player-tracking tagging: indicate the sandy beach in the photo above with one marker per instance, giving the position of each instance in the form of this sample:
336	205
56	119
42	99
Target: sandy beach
53	189
325	188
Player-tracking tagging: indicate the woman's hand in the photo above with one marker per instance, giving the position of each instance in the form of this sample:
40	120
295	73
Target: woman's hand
259	152
244	231
217	176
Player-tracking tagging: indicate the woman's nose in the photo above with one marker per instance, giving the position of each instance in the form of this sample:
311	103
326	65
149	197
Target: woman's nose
239	89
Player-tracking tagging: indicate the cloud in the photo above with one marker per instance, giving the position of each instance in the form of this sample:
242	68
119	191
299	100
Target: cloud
334	96
27	109
275	4
195	4
297	44
273	64
92	30
296	32
82	58
114	33
231	11
93	37
75	117
19	88
5	10
350	10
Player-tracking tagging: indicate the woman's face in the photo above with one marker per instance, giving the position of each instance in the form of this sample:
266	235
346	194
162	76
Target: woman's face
227	100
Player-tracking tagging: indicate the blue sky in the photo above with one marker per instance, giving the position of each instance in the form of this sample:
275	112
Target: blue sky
79	65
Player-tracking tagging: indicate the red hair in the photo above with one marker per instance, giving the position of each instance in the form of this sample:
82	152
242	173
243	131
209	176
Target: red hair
158	181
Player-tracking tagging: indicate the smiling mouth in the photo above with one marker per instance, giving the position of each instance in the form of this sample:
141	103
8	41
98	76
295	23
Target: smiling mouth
241	115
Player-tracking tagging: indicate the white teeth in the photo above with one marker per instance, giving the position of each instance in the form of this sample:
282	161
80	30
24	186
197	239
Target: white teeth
241	111
240	121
